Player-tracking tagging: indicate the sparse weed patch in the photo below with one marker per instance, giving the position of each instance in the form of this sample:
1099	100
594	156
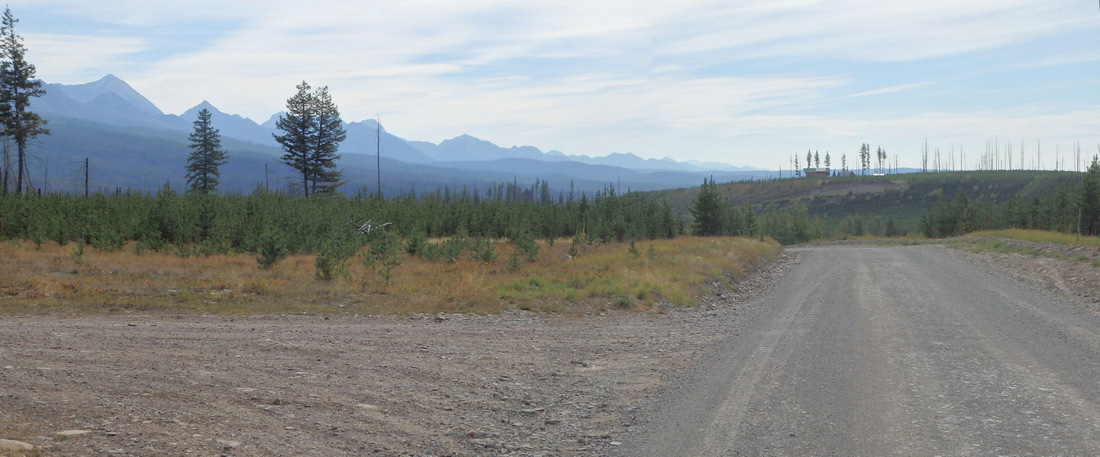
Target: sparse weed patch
1041	236
1033	243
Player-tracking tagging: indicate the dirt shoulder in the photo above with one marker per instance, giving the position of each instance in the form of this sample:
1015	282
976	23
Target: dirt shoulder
516	383
1071	272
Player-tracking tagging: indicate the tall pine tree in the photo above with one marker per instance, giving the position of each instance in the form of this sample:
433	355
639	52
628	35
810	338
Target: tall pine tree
864	158
312	132
706	212
206	156
328	132
17	86
1089	202
297	126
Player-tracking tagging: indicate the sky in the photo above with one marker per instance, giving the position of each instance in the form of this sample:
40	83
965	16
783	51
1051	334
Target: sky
750	83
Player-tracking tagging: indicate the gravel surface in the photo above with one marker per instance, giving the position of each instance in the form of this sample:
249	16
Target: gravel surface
832	361
516	383
1072	272
866	350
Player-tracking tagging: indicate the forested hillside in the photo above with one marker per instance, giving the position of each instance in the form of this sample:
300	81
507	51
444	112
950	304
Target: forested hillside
839	203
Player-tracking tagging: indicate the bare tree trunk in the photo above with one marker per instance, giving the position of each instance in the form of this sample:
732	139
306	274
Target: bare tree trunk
21	159
7	168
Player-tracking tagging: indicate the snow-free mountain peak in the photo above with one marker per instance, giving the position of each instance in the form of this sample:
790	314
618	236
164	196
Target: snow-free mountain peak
231	125
110	84
471	148
270	123
205	104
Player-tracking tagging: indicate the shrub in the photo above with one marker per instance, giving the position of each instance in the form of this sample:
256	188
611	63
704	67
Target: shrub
416	243
454	247
484	250
524	242
332	260
272	249
382	255
107	239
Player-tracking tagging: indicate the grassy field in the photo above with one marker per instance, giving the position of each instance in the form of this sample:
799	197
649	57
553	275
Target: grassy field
66	279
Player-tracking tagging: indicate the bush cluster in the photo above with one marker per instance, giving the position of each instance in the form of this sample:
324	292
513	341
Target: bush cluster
273	224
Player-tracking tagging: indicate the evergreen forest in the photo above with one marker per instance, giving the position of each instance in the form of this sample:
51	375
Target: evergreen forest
791	211
197	223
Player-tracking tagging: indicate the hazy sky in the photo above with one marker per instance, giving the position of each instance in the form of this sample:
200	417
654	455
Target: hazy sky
743	82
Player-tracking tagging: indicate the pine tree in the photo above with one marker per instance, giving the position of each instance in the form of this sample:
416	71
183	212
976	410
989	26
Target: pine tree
17	86
864	158
312	132
544	193
328	132
297	126
828	162
1089	202
817	160
206	156
706	212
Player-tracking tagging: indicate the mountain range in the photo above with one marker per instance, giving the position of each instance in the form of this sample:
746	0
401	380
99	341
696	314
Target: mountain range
129	143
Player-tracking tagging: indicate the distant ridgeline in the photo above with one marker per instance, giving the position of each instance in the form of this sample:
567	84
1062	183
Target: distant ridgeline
130	144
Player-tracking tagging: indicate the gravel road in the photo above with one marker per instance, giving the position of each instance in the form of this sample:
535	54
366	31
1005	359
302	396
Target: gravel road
867	350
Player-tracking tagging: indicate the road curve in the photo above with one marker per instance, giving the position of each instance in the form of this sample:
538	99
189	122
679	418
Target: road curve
871	351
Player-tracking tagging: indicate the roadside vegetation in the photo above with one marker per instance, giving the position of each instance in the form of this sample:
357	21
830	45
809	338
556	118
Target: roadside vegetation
1074	248
644	276
1040	236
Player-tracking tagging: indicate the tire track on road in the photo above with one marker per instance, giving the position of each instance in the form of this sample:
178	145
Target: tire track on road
889	350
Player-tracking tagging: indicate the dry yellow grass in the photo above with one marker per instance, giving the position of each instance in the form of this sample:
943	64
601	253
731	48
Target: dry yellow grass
56	279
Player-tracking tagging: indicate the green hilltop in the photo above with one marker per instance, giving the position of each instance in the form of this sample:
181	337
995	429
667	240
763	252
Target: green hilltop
903	198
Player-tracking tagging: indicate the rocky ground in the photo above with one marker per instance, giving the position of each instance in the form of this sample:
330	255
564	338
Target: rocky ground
517	383
1072	272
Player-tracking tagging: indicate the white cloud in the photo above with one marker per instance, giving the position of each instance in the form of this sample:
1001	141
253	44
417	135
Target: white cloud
1072	57
870	30
892	89
54	57
139	14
